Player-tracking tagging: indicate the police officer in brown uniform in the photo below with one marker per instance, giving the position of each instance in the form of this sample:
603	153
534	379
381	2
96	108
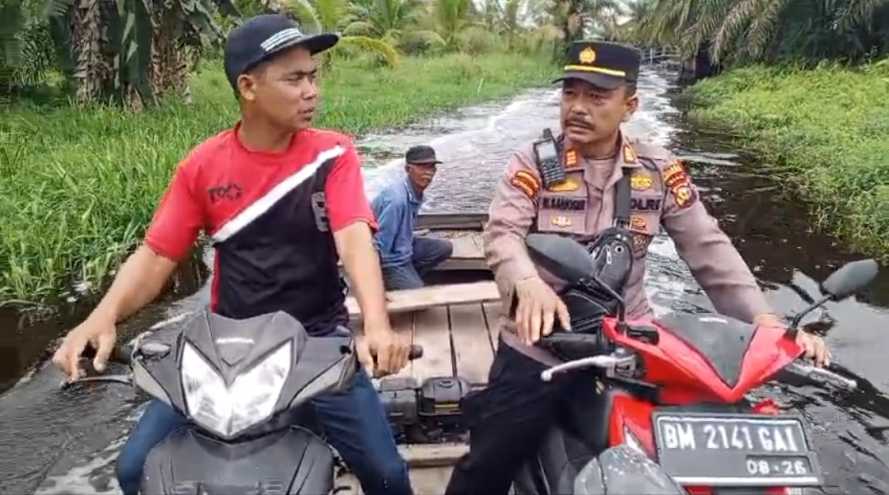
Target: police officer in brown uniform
572	191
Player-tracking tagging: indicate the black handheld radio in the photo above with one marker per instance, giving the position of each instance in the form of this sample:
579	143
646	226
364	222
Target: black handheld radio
547	153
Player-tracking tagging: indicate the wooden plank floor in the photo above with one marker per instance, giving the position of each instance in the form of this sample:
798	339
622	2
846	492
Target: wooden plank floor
457	340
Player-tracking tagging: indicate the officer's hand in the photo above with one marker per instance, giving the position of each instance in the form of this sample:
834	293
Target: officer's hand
98	332
382	351
538	305
814	347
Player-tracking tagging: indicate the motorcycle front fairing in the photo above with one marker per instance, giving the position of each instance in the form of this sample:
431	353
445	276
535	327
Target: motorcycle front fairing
701	358
268	358
286	462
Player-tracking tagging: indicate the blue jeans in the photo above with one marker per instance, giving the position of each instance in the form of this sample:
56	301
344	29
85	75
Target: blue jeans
427	254
354	423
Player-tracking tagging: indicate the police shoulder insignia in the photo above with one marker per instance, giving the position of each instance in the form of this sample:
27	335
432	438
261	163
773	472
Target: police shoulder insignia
570	158
629	154
677	181
526	182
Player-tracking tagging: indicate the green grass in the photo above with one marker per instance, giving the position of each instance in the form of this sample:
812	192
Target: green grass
78	185
828	128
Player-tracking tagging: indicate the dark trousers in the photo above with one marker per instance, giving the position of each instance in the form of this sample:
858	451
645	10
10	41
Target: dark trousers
427	254
353	421
507	422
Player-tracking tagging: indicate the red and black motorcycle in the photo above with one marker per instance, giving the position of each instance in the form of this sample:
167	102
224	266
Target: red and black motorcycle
666	409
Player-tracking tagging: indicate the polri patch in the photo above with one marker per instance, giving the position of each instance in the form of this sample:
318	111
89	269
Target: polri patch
645	204
677	181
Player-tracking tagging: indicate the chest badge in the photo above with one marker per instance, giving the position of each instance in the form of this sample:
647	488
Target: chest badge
638	223
568	185
561	221
640	182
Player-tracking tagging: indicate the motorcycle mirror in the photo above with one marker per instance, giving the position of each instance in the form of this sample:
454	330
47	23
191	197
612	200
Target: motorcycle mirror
561	256
849	279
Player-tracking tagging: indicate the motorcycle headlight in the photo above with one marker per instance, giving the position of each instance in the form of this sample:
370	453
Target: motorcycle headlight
250	399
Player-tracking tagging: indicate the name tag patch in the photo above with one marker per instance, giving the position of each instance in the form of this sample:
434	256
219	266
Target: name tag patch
566	204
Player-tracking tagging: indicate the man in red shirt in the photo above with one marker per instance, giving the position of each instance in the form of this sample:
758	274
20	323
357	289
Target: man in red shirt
282	203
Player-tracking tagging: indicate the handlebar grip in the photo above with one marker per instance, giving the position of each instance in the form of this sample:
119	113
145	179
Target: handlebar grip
120	354
824	375
416	352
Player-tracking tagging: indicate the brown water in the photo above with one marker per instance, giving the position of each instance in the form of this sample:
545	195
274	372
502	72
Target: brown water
55	441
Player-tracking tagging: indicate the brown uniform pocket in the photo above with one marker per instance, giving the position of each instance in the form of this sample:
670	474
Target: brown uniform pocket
563	212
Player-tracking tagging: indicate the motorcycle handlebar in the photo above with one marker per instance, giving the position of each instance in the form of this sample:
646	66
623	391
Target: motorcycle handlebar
821	375
121	353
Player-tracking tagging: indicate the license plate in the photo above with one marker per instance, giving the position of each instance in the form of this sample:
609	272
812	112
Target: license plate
735	450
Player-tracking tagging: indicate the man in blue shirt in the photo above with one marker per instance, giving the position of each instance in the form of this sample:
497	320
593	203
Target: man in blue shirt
404	258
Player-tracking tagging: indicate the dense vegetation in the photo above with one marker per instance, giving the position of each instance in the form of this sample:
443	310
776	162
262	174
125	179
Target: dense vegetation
827	128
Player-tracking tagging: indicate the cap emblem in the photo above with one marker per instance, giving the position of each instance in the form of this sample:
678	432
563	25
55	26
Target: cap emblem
587	56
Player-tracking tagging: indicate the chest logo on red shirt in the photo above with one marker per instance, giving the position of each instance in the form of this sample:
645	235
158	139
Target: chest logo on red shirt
230	192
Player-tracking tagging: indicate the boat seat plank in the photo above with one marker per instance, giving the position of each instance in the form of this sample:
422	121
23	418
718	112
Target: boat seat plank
431	331
432	455
467	245
472	345
402	301
492	317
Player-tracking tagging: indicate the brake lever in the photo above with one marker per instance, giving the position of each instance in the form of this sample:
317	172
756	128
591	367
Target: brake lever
822	375
609	362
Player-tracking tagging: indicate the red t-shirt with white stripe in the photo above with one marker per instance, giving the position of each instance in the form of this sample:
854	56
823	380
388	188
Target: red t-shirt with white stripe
258	209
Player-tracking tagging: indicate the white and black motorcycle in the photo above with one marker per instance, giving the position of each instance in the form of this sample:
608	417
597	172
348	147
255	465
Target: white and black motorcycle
242	386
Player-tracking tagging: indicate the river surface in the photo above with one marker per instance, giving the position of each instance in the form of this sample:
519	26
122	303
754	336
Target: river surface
54	442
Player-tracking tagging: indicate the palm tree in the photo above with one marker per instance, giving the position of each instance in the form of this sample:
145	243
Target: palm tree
327	15
450	18
131	50
740	30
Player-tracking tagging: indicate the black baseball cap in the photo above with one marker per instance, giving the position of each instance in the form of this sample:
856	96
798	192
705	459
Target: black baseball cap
421	154
602	64
260	37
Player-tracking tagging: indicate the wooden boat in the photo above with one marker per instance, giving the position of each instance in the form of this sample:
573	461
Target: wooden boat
454	319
